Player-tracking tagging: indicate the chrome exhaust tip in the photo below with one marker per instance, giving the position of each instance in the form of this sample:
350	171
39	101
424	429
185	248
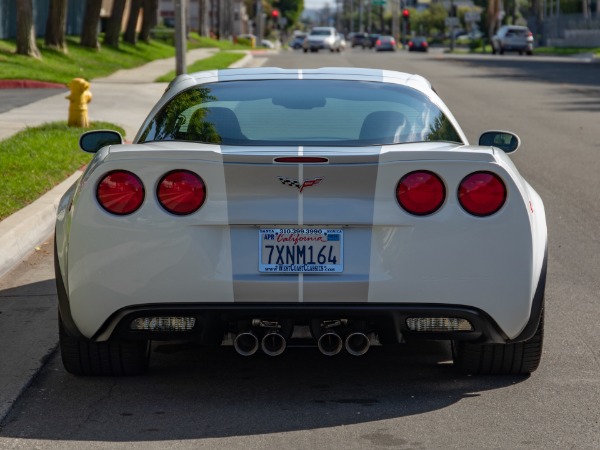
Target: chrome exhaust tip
330	343
357	343
246	344
273	344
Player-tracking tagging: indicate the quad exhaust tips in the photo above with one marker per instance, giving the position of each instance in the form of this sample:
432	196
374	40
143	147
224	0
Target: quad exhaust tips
246	344
357	343
330	343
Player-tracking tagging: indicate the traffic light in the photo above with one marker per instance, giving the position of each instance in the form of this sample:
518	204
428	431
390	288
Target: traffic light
405	14
275	14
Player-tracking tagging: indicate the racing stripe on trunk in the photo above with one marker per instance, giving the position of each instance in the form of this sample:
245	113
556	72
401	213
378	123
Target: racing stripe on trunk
343	199
257	197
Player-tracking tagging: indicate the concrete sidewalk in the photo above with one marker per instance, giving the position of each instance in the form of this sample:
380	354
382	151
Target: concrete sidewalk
124	98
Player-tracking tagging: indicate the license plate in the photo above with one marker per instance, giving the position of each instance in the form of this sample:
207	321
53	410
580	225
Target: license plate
300	250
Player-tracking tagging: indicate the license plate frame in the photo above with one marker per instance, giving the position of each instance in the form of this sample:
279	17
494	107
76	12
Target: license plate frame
312	249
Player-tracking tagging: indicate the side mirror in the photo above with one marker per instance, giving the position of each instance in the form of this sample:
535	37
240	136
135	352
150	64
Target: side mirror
92	141
504	140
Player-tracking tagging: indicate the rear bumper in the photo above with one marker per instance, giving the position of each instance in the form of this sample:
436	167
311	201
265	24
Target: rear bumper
388	321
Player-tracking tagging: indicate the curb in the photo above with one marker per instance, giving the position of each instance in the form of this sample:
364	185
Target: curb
29	84
23	231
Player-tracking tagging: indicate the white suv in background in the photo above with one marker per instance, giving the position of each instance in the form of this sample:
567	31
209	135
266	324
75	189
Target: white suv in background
513	38
322	38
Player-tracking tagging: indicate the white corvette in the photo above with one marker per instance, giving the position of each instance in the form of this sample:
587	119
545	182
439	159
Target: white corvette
268	207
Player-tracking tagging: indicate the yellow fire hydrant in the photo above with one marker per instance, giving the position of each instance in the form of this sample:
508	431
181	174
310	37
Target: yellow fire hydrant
78	99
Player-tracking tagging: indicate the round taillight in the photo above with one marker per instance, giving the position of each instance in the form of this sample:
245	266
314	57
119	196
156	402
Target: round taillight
120	192
421	192
181	192
482	193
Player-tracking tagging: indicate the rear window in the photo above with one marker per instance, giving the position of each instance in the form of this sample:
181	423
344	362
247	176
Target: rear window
320	33
300	112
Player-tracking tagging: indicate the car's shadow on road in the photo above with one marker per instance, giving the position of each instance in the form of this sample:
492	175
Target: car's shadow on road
194	393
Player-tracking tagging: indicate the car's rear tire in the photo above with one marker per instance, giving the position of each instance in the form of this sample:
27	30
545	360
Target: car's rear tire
88	358
521	358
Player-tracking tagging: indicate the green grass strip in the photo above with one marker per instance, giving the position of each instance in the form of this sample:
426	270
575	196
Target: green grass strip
58	67
36	159
221	60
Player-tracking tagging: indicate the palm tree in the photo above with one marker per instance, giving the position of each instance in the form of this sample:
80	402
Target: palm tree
134	13
148	18
113	26
89	29
26	30
56	24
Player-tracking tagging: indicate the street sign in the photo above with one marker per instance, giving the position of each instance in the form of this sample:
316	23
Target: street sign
378	2
451	21
472	16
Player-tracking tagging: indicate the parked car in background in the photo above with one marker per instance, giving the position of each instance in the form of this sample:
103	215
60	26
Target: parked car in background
385	43
373	38
297	41
360	40
343	42
418	44
513	38
322	38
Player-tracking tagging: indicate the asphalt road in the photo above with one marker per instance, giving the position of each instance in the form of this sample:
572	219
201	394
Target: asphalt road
198	398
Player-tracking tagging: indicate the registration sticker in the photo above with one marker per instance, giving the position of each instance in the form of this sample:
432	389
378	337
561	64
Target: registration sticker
300	250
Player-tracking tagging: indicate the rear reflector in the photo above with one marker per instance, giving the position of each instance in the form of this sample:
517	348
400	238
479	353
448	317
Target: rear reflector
438	324
169	324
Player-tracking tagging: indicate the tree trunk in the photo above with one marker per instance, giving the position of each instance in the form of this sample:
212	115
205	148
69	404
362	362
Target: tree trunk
115	21
150	8
56	24
203	11
26	30
134	13
89	30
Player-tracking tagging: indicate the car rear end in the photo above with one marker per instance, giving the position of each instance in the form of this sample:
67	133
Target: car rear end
385	43
519	39
343	240
236	259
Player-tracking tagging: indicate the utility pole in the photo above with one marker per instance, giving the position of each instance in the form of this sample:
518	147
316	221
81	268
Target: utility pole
361	26
259	22
396	21
180	37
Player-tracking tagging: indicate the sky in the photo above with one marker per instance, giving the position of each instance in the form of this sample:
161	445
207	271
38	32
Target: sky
316	4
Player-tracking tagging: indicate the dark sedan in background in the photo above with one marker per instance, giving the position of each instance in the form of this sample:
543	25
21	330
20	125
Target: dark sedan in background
385	43
418	44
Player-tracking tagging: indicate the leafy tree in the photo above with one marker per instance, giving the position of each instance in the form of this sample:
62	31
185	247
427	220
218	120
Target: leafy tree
56	25
291	10
26	30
